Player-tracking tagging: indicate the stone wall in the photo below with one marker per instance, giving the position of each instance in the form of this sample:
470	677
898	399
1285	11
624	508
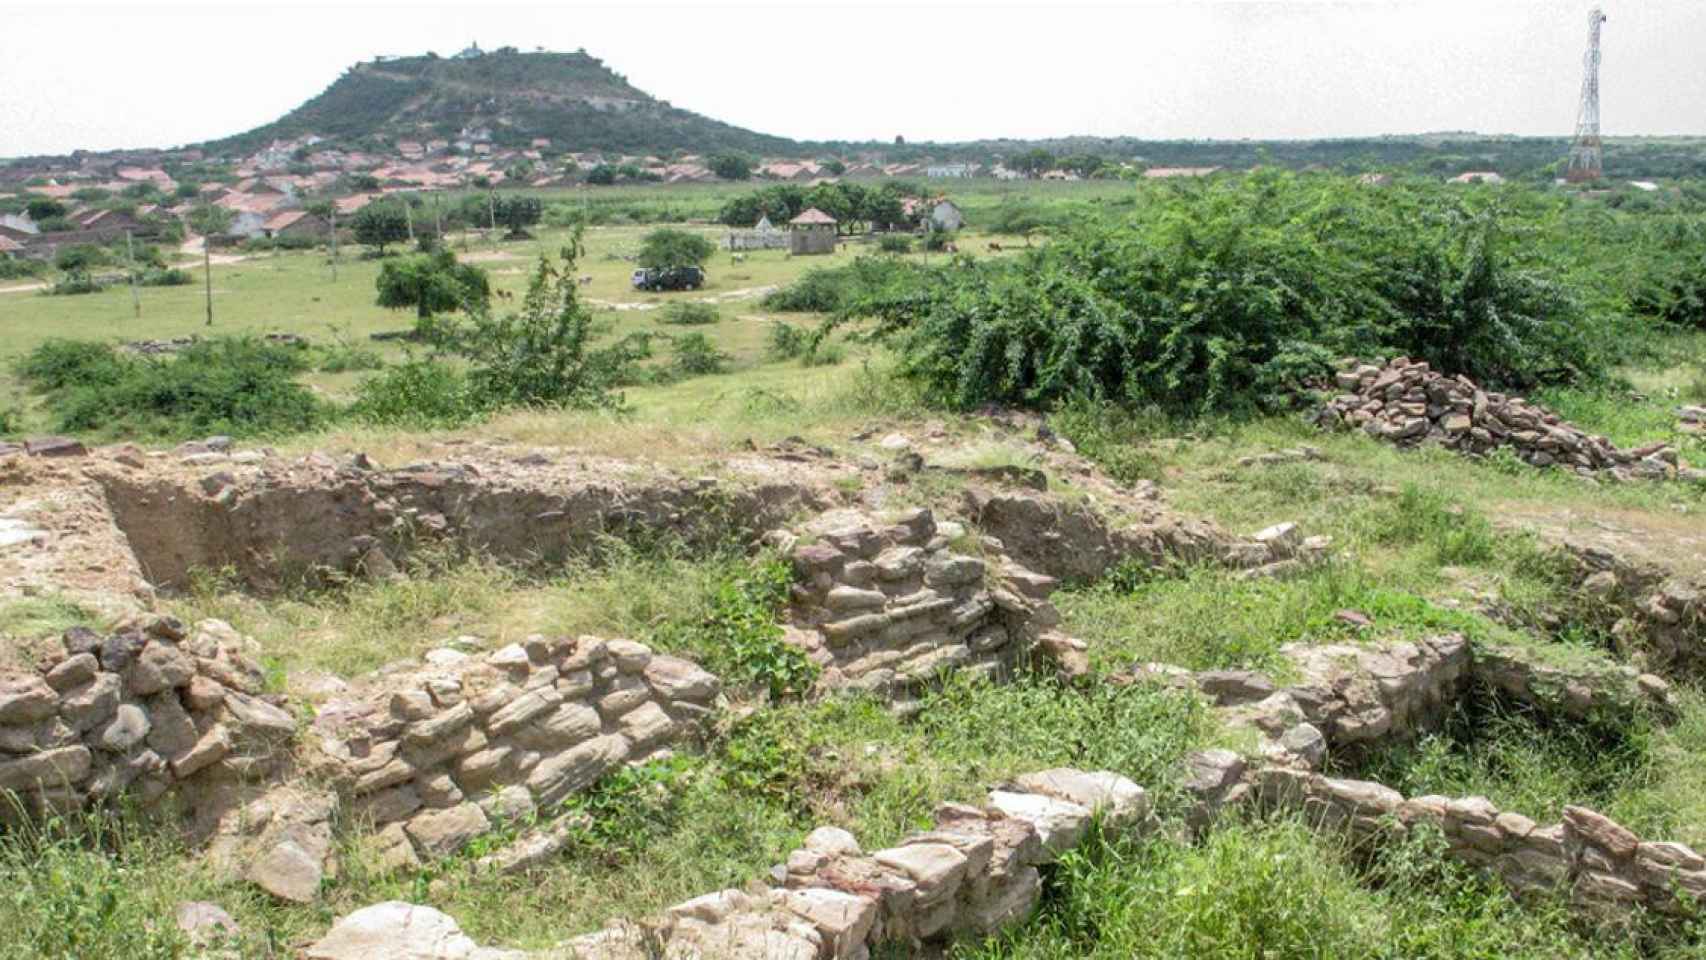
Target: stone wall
432	756
1406	402
975	871
151	707
886	604
1601	863
1073	541
1656	613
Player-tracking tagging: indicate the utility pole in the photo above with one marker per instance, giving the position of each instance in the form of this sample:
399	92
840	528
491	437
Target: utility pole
437	220
492	214
334	241
409	218
130	259
207	271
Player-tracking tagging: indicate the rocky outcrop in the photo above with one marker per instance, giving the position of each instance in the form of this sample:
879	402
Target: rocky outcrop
1601	863
1406	402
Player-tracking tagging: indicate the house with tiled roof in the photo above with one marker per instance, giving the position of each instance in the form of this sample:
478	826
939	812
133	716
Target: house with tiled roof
812	232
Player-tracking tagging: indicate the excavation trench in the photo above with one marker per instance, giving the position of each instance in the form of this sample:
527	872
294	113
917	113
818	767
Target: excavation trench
273	530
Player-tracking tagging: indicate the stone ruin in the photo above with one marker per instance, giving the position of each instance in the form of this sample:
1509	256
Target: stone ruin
1407	403
422	758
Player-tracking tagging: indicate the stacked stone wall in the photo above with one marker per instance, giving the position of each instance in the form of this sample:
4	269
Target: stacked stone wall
886	605
1601	863
149	708
974	872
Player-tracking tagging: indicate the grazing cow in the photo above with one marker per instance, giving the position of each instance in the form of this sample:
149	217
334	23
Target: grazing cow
738	258
586	279
995	248
951	248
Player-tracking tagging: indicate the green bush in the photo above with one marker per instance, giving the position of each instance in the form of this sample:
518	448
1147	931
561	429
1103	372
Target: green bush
843	290
697	356
784	341
540	355
167	277
895	243
419	394
740	636
688	314
230	385
74	284
18	269
1227	296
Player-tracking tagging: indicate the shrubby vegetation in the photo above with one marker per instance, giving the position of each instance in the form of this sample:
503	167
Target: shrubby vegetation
237	386
1228	295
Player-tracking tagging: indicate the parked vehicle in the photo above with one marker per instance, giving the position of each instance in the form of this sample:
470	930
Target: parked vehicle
668	278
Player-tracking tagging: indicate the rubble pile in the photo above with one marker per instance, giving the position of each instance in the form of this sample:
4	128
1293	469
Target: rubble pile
1407	403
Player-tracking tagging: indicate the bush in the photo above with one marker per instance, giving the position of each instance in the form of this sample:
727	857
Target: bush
74	284
687	314
786	341
539	355
1228	296
168	277
895	243
740	636
696	356
421	394
843	290
13	269
231	385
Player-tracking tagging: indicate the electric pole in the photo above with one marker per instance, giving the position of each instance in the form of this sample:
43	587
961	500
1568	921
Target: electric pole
207	271
130	259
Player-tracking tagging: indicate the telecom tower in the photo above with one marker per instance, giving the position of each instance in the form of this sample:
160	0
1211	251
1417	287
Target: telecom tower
1585	160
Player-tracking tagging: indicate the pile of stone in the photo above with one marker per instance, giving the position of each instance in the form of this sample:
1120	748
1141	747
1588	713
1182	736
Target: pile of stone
1601	863
1407	403
153	706
974	872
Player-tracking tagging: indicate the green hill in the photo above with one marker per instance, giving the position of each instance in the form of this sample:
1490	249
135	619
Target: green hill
573	98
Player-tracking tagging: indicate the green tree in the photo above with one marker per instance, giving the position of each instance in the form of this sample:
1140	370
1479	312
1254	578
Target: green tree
432	283
603	175
731	166
378	224
209	220
517	214
45	208
669	247
835	167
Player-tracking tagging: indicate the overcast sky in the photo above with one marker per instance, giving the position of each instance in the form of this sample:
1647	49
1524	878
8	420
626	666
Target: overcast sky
144	74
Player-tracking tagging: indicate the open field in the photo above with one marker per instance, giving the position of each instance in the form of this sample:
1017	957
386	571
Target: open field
1094	582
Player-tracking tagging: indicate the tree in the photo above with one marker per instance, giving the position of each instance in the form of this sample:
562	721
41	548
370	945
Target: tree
45	208
517	214
1083	164
378	224
603	175
669	247
1033	162
209	220
731	166
432	283
835	167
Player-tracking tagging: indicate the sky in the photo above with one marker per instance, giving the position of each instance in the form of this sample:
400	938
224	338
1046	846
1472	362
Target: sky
140	74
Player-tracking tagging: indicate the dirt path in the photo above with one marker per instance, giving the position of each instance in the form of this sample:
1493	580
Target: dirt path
191	247
1674	541
729	296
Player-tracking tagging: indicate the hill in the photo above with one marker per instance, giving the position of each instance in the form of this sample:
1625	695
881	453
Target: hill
572	98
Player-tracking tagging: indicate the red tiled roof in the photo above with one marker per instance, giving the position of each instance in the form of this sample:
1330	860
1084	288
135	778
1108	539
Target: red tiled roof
813	215
285	219
8	245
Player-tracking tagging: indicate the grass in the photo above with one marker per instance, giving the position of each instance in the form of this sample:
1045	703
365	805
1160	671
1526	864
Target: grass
1276	889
